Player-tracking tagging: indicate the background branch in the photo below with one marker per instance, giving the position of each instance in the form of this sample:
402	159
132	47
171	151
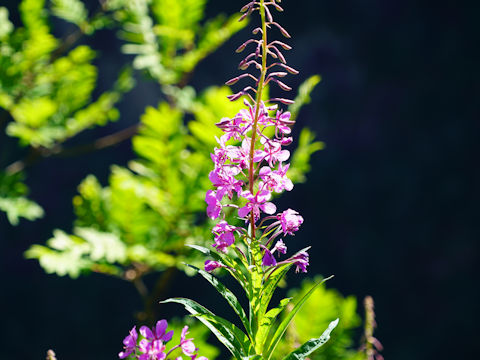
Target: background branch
36	154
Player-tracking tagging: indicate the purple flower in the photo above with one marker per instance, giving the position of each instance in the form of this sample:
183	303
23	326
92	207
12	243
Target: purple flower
152	347
273	152
151	350
286	141
223	235
268	259
187	345
158	332
248	115
282	122
300	260
231	127
214	207
224	180
211	265
276	180
240	154
219	157
129	343
257	203
280	247
290	221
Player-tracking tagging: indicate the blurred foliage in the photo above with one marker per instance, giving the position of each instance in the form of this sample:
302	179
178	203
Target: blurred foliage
49	95
13	201
168	37
46	91
323	306
156	205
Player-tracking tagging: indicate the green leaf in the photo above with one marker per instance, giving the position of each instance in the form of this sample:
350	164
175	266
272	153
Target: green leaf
72	254
221	328
6	26
103	245
230	262
20	207
271	283
318	311
300	164
179	15
303	96
73	11
63	256
313	344
227	295
34	15
286	321
213	35
13	200
267	321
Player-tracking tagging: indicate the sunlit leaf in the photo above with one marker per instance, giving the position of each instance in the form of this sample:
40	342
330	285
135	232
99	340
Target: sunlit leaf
313	344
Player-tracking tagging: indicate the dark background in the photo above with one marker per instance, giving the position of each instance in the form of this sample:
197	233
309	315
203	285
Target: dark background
390	207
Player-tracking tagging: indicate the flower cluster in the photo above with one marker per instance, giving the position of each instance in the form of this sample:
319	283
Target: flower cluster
236	164
249	163
153	346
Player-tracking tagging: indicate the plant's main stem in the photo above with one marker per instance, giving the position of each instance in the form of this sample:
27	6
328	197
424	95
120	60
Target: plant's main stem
256	274
258	101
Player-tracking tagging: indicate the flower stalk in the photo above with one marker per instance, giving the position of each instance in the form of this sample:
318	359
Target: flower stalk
249	166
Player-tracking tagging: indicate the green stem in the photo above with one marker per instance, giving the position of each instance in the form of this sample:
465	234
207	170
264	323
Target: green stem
257	270
257	110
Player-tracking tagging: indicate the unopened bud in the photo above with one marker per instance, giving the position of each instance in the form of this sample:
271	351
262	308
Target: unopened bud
232	81
282	85
283	101
282	30
235	96
289	69
241	48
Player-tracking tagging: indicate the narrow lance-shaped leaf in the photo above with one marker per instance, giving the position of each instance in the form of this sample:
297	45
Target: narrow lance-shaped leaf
267	321
311	345
229	262
224	333
284	324
228	295
271	283
303	96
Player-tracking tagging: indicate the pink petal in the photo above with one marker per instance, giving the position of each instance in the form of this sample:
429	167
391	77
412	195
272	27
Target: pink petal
168	336
188	348
288	184
242	212
146	332
259	155
160	328
268	208
263	196
246	195
264	171
283	155
184	332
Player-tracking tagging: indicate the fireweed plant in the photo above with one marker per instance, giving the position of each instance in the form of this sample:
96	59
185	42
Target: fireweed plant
249	165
